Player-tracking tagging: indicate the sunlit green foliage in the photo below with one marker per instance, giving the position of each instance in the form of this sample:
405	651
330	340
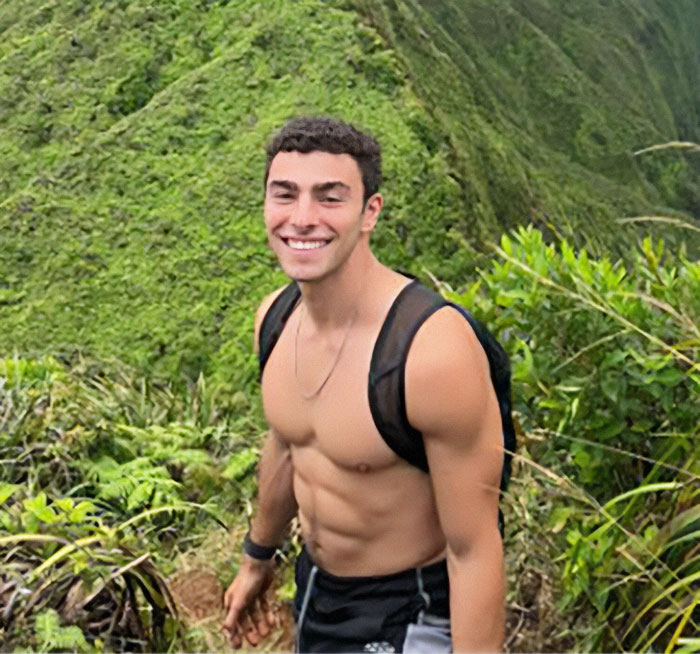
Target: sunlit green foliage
52	636
132	257
99	464
598	342
606	485
132	158
606	370
140	236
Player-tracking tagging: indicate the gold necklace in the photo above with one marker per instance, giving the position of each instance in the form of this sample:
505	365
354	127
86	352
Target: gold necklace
310	396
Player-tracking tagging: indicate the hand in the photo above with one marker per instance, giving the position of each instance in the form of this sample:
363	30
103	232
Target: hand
247	612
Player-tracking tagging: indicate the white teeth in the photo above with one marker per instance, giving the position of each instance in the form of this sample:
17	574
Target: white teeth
305	245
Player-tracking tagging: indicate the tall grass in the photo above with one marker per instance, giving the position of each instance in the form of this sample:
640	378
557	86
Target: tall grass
606	385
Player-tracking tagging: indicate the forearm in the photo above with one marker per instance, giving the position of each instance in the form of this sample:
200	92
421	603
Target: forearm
276	504
477	602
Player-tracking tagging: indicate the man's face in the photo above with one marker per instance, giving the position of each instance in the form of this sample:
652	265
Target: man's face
314	212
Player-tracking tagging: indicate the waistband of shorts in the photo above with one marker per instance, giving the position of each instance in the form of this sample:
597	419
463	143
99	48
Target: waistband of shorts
436	571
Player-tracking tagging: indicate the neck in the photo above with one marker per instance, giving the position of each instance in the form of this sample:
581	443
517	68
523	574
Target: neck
332	301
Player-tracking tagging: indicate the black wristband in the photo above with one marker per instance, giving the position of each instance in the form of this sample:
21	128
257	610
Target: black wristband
258	552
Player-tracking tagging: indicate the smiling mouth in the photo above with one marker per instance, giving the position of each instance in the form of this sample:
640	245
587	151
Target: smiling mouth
305	245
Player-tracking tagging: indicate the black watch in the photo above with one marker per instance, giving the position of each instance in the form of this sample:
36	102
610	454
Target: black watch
258	552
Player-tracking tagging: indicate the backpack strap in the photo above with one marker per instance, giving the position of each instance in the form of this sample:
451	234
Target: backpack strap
274	321
387	379
386	388
387	384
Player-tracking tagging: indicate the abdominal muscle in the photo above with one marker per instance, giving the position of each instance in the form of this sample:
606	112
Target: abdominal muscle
363	510
364	522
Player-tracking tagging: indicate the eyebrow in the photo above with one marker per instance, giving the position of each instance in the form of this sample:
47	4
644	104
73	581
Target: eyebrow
318	188
290	186
330	186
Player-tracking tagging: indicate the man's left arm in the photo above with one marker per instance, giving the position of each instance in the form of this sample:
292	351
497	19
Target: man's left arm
451	400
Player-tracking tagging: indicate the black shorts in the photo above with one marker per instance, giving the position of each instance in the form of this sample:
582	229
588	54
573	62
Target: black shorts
405	611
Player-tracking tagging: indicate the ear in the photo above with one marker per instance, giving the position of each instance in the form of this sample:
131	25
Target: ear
373	206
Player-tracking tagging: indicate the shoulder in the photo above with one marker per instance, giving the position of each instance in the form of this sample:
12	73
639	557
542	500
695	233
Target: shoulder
447	376
444	344
262	312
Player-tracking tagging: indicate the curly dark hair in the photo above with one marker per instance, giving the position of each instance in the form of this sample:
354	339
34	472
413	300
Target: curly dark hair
329	135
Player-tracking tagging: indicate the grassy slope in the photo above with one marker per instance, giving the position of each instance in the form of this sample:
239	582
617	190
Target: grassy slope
130	206
545	101
132	137
133	219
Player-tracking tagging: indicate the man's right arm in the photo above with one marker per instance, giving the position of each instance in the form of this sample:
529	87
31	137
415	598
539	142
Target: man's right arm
246	615
276	504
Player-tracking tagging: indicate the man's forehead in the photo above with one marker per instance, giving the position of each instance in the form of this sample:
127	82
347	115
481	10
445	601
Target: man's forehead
313	168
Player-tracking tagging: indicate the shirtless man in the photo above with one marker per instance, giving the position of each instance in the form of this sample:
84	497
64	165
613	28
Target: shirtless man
430	542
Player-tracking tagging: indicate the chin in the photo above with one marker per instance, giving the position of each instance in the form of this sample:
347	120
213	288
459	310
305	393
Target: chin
299	275
305	278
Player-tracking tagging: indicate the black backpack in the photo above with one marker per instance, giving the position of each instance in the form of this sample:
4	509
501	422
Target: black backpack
411	308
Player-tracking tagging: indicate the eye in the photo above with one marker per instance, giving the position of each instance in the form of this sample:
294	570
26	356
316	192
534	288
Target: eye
330	199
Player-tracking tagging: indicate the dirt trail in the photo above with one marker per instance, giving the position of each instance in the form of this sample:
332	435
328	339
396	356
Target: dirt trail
198	594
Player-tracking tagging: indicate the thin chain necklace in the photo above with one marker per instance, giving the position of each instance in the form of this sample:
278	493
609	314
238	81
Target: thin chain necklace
311	396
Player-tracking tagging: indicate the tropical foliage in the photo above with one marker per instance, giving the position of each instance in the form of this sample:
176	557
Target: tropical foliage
607	378
104	474
132	257
104	477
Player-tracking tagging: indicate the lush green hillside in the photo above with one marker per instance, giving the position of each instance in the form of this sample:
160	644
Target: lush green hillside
132	256
131	219
545	102
132	148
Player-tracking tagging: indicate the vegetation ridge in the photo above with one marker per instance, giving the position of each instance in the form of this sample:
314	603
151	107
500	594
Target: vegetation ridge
541	168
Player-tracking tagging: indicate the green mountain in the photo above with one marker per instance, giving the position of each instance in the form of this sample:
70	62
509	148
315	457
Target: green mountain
545	102
132	145
132	141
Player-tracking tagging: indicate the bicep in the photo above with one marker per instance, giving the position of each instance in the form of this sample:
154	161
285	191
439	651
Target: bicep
276	470
276	458
450	398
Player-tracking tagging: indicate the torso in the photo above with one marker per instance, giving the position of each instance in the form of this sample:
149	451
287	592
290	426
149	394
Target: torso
363	510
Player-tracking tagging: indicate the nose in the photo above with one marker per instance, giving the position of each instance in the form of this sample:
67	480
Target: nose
303	213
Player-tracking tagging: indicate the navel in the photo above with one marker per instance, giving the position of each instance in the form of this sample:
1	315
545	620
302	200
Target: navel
363	467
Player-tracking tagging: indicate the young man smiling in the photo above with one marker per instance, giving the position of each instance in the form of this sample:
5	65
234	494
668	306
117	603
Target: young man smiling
396	558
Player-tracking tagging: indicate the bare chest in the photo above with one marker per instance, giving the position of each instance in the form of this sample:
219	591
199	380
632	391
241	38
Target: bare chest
337	422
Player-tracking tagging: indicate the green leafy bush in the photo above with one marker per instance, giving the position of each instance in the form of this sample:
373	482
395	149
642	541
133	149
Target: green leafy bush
96	498
604	356
606	380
